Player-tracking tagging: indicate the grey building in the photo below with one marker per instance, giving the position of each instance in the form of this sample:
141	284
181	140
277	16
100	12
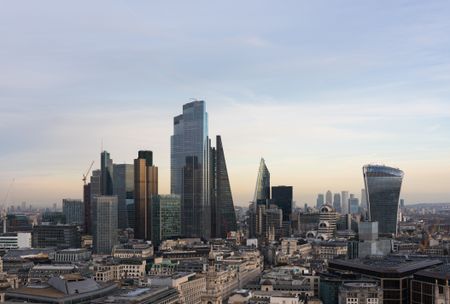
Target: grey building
104	211
337	202
73	210
106	177
383	186
91	190
123	188
190	168
320	200
360	292
344	202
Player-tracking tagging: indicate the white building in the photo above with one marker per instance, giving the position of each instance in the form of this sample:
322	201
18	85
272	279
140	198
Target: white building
15	240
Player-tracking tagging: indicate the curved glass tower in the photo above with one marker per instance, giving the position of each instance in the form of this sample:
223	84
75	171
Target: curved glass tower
383	186
262	189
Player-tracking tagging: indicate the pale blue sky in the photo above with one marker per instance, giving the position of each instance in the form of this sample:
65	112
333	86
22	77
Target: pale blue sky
318	88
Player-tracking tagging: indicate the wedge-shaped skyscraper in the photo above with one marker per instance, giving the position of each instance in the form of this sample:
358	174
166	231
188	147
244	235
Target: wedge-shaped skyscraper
223	216
383	186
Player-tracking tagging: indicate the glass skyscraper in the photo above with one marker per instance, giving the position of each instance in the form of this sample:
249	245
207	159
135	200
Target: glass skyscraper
123	181
282	198
106	177
166	212
104	225
223	216
262	189
190	169
383	186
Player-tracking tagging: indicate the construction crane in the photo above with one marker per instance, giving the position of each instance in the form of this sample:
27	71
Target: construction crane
3	212
87	173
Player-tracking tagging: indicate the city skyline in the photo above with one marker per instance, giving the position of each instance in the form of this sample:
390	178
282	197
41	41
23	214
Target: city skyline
316	104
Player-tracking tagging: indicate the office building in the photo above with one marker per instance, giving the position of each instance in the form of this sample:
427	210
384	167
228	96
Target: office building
145	188
91	190
123	188
329	198
262	189
327	222
344	202
383	186
337	202
364	200
58	236
106	177
320	201
18	223
53	218
190	169
360	292
223	216
353	204
166	221
282	198
394	273
15	240
104	213
73	210
431	285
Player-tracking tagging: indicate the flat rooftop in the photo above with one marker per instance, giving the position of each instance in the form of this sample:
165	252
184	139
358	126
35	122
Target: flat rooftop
385	266
439	272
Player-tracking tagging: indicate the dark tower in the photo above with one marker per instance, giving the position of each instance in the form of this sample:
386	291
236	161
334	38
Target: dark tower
145	188
223	216
282	198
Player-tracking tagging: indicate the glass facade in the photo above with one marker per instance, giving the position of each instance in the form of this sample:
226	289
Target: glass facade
123	180
190	169
223	215
73	210
166	222
262	189
383	186
282	197
106	168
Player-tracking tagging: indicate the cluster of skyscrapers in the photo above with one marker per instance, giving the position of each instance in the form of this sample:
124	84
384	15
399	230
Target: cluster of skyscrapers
126	195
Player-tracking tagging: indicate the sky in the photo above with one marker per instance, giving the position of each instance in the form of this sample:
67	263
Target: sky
317	88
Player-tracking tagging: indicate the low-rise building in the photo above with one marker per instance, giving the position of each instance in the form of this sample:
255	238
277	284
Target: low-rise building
15	240
115	270
72	255
190	286
133	251
360	292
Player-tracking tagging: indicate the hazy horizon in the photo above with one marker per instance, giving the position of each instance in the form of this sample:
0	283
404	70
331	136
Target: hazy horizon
317	89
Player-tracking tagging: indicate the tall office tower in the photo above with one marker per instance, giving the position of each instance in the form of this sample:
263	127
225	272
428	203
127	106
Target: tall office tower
363	199
104	224
190	169
145	188
344	202
327	222
329	198
320	201
123	187
91	190
87	206
106	179
282	198
262	189
166	221
337	202
223	216
383	185
73	210
353	204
